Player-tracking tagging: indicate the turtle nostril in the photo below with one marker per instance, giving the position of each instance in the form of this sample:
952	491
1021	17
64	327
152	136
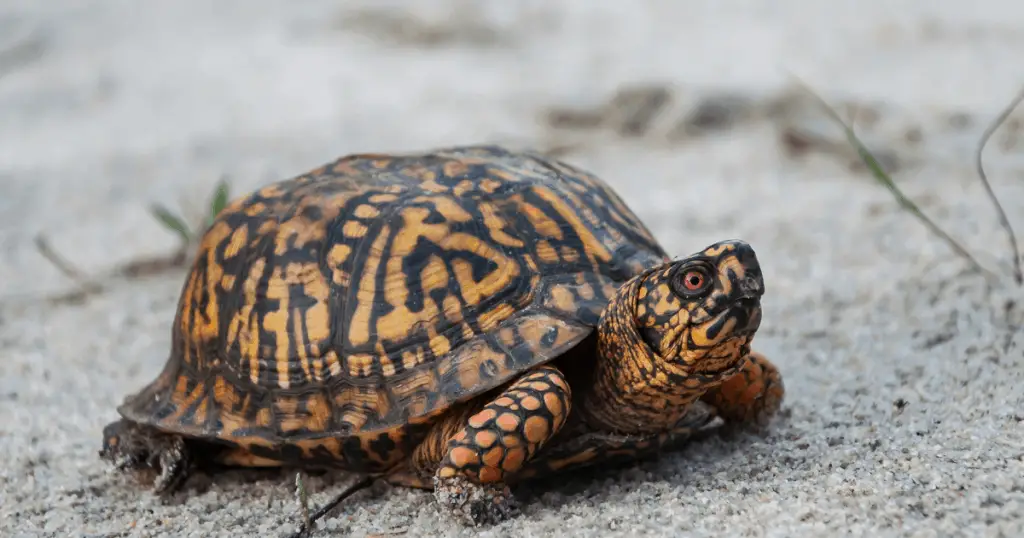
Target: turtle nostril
751	286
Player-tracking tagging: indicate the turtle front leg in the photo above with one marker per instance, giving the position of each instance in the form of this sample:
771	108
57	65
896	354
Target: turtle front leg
496	442
751	397
135	447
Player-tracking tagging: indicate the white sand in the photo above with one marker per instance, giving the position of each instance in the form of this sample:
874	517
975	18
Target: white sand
904	371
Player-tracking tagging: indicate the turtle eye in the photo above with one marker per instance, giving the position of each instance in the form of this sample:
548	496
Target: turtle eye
694	281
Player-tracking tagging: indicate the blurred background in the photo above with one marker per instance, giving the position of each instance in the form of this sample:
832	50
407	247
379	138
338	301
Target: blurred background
107	106
689	109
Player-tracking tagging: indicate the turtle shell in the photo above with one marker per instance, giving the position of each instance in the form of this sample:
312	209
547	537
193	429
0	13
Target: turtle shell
378	290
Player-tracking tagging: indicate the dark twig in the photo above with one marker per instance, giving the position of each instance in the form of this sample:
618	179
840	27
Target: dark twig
142	267
87	284
391	532
305	529
883	177
156	265
1018	275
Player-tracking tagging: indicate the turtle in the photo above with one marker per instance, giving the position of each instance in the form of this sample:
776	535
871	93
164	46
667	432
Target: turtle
456	319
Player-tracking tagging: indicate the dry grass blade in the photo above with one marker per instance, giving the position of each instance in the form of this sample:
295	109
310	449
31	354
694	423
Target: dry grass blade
1018	275
302	498
879	173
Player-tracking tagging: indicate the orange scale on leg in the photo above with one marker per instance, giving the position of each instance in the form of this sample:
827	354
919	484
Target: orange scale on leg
483	417
462	457
492	458
530	403
507	422
514	459
485	438
504	401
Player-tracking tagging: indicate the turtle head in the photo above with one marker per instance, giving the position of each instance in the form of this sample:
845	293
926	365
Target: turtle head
672	333
700	312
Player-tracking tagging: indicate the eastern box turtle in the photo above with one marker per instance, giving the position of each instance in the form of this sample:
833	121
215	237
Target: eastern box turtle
454	320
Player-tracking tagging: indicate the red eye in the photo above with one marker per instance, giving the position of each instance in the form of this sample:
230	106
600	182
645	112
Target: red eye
694	280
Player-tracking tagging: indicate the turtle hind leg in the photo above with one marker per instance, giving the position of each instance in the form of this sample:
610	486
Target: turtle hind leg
135	447
496	442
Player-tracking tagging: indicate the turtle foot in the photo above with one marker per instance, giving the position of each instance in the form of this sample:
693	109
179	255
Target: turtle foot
137	448
475	504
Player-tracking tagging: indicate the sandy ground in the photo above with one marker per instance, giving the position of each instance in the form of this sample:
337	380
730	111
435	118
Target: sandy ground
904	368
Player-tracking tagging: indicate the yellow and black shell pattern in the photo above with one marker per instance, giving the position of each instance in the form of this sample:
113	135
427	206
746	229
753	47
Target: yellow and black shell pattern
376	291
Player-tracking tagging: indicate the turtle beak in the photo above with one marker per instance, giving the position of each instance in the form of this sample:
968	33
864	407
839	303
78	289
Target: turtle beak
748	315
749	288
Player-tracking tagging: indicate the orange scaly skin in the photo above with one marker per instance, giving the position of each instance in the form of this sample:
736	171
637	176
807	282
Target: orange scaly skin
751	397
510	430
497	441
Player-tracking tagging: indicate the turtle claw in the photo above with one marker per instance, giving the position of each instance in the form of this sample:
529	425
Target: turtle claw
133	447
174	465
475	504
